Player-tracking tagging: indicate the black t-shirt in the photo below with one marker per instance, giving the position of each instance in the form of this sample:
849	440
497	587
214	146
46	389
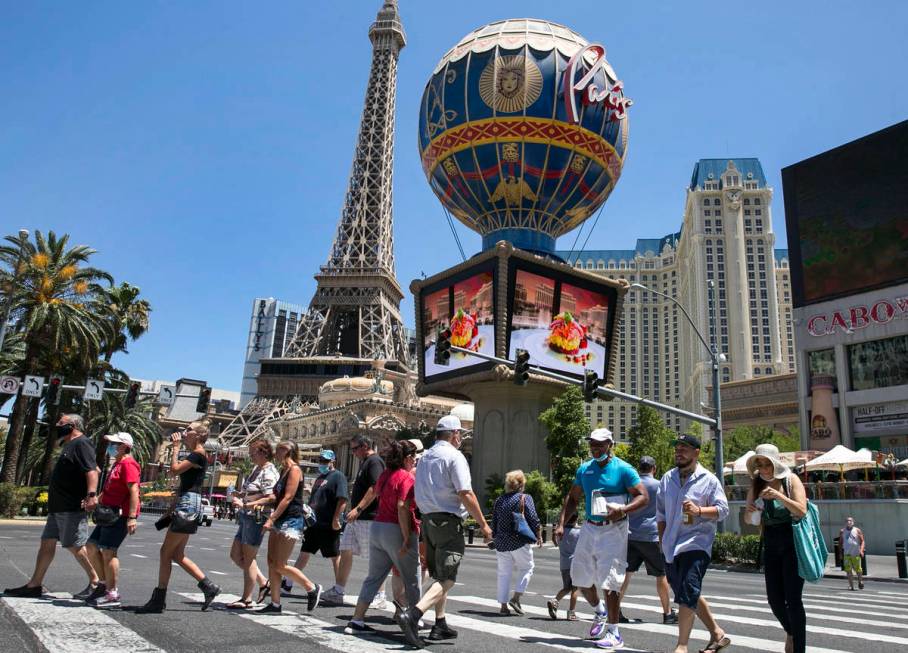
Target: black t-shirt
326	490
68	485
369	471
191	480
295	507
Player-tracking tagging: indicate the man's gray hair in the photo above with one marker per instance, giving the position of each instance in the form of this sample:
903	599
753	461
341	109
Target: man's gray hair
360	440
76	420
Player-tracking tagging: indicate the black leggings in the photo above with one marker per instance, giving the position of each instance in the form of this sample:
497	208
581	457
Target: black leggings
783	584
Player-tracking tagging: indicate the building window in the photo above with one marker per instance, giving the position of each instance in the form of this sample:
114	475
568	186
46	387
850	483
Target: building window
716	202
706	212
706	201
757	201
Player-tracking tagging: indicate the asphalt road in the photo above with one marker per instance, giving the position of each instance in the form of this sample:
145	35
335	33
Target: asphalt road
838	620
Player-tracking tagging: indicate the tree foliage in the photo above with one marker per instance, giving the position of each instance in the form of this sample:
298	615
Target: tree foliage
651	437
746	438
566	441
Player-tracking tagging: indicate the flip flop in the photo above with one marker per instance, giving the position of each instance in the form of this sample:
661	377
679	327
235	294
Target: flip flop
712	647
239	605
264	590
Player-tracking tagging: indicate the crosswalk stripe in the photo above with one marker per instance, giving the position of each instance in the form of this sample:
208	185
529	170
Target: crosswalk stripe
879	604
719	602
772	623
741	641
304	626
66	625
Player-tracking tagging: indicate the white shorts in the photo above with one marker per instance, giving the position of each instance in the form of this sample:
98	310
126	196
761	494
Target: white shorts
601	556
356	537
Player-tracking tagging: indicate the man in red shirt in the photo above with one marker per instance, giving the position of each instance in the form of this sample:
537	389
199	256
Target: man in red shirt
115	517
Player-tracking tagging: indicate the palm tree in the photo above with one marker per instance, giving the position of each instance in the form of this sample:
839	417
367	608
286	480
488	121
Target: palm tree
110	415
128	314
56	310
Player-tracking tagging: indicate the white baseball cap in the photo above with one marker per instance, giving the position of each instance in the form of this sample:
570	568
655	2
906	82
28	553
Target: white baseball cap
601	435
123	438
449	423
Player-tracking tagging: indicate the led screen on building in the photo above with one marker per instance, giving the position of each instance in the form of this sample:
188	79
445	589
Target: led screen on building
564	322
846	212
465	303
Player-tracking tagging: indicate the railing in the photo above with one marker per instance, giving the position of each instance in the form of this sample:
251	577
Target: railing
850	491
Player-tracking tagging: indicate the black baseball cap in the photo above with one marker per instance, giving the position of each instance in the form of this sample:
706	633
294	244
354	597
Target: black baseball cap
646	462
688	439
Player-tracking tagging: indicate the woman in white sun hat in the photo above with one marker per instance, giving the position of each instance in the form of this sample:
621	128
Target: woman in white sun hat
777	496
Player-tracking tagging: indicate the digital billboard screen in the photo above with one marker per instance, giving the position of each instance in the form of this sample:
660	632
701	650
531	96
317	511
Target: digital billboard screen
564	321
846	213
465	303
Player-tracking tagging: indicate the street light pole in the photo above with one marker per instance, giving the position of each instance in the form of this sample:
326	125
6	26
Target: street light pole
717	395
8	303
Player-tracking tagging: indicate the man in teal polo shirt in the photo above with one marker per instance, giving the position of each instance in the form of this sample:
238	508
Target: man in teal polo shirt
611	489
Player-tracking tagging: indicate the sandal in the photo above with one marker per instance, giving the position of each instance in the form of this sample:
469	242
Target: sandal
571	615
716	646
264	590
239	605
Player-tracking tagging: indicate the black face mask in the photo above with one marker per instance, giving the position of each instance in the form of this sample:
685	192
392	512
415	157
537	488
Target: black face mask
64	430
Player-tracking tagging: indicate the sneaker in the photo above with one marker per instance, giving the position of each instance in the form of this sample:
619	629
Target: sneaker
380	602
408	626
354	628
611	642
271	608
552	607
333	597
860	584
108	601
440	633
97	593
670	618
84	594
515	606
286	586
24	592
598	629
313	597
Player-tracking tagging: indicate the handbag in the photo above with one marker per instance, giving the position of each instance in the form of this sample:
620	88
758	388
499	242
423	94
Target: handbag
105	515
309	518
521	527
810	547
182	521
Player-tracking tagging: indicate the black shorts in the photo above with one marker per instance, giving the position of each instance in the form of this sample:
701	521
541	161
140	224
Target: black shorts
685	575
650	553
320	538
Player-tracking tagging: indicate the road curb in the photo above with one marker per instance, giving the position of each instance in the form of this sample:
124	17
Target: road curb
27	633
829	574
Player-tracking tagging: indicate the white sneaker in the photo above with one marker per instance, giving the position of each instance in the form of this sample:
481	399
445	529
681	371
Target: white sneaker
109	601
380	602
333	597
611	642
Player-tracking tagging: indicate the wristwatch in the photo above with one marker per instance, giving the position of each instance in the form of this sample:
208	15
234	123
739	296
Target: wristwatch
92	494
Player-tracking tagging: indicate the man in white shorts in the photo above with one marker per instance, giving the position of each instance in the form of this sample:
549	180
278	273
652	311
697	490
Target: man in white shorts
611	489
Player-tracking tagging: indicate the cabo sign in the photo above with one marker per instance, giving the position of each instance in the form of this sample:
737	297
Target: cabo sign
858	317
611	97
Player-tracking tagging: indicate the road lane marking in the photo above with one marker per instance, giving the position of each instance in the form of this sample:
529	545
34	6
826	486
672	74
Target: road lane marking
758	644
65	625
137	555
219	573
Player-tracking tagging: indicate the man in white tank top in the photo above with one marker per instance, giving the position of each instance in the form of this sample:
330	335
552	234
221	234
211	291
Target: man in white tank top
852	539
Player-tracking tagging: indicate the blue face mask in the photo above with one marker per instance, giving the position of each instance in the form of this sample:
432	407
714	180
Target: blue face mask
323	469
112	450
602	458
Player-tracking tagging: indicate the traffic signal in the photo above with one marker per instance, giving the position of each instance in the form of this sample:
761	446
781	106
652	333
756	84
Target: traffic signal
204	400
53	391
132	394
590	383
443	347
522	367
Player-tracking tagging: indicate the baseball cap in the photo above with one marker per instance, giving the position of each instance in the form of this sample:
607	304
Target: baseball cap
416	442
688	439
326	454
123	438
647	461
601	435
449	423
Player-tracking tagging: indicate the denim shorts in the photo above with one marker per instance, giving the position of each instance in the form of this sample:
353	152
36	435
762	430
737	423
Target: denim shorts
290	527
109	537
249	532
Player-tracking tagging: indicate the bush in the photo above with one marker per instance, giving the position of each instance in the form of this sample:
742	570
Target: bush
12	497
734	548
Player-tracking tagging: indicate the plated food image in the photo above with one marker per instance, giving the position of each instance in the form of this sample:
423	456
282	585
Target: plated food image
568	337
465	331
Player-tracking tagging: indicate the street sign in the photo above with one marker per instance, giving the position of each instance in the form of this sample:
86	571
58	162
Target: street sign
32	386
9	385
166	394
94	390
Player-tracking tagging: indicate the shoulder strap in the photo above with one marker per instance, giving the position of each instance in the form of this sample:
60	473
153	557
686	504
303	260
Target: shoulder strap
523	501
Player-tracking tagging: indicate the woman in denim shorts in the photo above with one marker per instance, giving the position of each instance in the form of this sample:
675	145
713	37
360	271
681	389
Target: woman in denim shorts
248	502
191	471
286	525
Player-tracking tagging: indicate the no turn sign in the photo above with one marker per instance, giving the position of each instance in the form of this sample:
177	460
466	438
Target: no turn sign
9	385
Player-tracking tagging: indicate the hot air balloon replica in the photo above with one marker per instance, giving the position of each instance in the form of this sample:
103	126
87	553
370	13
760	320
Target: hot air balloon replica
523	130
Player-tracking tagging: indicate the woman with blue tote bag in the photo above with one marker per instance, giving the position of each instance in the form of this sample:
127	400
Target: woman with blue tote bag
777	500
515	528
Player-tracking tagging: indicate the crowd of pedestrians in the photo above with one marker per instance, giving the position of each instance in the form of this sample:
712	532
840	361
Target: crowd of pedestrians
404	513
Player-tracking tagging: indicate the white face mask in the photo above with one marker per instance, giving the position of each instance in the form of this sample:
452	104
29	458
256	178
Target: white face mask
768	479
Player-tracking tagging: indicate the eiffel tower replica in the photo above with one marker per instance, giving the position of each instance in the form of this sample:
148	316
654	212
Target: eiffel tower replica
354	317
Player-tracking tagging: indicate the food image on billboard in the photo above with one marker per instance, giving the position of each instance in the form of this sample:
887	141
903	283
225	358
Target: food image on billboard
467	307
563	326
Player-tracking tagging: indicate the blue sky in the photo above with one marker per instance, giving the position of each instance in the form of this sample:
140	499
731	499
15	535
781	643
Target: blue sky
203	147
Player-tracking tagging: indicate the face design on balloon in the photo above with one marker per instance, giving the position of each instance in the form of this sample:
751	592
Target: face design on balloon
510	84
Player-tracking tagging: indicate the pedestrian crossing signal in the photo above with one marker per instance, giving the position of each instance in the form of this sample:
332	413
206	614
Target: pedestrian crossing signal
53	391
204	400
522	367
590	383
132	394
443	347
